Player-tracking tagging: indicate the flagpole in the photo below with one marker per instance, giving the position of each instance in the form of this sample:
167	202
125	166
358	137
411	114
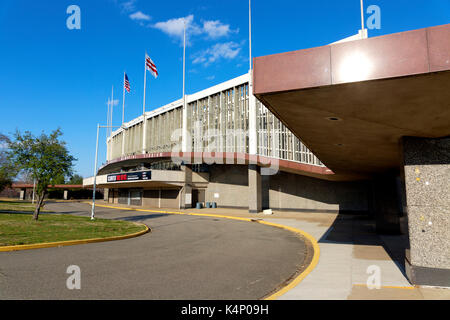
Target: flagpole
184	62
362	15
184	142
250	32
108	117
145	81
123	100
112	108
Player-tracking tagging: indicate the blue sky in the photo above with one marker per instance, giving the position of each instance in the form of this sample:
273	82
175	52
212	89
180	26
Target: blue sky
55	77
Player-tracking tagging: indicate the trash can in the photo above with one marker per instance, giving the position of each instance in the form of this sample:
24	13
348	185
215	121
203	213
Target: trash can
208	205
214	205
198	205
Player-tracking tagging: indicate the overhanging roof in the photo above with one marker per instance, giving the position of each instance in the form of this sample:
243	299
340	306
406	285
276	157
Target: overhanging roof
350	103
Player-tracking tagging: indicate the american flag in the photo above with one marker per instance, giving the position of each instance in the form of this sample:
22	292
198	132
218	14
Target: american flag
126	83
150	66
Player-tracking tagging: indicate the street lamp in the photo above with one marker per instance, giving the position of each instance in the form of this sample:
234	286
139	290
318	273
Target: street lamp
95	169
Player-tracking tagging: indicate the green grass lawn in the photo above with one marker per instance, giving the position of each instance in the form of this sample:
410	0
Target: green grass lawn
17	205
20	228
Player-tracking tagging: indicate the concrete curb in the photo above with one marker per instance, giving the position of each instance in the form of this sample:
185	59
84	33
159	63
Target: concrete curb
73	242
309	268
313	242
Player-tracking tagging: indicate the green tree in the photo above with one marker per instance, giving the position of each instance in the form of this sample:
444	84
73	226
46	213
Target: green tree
61	179
44	157
76	179
7	169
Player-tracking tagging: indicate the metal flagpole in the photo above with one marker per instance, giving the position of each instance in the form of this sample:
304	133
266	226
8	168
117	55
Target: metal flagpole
184	133
362	15
108	117
250	33
145	81
112	109
123	100
184	62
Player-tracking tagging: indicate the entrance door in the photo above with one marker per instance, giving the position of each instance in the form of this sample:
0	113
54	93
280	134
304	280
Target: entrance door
123	196
198	195
135	197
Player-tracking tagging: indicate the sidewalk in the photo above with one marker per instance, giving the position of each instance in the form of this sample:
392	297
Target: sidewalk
348	246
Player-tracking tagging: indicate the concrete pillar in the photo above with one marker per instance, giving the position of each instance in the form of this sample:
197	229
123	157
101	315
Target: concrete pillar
254	189
186	192
22	194
427	183
66	194
252	120
144	135
123	142
106	194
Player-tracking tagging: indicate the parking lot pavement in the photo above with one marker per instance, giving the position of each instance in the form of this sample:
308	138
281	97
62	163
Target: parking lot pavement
184	257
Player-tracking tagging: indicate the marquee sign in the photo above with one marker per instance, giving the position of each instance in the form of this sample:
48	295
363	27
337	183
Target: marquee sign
130	176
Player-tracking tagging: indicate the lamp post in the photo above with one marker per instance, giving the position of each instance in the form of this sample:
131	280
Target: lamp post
95	169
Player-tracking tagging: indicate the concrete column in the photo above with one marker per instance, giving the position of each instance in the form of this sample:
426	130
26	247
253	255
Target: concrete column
106	194
144	135
66	194
186	192
252	128
22	194
254	189
107	149
123	142
427	183
185	142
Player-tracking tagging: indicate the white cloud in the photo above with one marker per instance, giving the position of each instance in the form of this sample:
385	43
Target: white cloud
216	29
128	6
227	50
139	16
175	27
211	77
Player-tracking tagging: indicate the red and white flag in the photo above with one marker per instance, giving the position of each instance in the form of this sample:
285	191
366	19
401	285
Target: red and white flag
126	83
150	66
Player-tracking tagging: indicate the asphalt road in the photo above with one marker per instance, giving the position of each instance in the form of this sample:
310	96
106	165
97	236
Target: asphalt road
184	257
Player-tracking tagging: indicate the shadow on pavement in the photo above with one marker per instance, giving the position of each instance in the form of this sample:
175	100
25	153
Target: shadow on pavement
361	230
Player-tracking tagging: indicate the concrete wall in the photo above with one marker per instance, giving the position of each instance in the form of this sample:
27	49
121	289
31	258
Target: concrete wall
286	191
230	183
296	192
151	198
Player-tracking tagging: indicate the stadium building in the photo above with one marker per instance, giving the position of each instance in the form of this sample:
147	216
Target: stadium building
145	166
373	116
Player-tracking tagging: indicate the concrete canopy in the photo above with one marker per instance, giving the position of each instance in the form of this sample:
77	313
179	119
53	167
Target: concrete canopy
350	103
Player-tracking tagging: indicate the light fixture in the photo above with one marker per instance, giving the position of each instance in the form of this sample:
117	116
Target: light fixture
333	119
